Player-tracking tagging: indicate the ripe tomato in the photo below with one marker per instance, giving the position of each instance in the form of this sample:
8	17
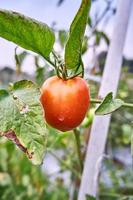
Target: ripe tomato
65	102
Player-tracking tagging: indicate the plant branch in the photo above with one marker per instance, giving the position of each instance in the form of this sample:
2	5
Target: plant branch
101	17
78	146
50	62
98	101
128	105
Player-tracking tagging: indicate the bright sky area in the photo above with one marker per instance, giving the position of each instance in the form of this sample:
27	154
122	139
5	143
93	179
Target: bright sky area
47	11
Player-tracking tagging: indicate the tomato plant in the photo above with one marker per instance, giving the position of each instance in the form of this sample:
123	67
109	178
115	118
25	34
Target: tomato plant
66	106
60	113
65	97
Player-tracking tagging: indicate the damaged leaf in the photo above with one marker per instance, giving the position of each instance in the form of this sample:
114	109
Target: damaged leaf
21	119
26	32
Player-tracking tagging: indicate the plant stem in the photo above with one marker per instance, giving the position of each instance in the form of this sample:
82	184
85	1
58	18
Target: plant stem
82	65
98	101
129	105
95	100
78	146
50	62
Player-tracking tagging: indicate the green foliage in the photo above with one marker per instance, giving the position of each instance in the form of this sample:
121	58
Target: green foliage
20	180
19	58
26	32
99	35
63	35
109	105
88	197
22	119
73	49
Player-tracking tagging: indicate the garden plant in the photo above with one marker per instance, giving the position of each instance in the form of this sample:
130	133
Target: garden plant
30	111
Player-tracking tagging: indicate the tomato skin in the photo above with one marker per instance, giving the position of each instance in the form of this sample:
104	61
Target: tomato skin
65	102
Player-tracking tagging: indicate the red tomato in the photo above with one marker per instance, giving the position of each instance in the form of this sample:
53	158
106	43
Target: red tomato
65	102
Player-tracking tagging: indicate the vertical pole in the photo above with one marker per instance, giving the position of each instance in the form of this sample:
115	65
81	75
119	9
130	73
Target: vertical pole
109	83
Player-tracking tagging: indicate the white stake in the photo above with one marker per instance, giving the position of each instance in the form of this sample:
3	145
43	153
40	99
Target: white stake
109	83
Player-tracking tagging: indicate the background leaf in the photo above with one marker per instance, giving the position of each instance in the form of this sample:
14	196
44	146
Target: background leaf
63	35
22	119
101	35
73	49
19	59
88	197
26	32
109	105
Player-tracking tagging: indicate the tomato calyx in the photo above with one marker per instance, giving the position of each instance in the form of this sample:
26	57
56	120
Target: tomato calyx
64	73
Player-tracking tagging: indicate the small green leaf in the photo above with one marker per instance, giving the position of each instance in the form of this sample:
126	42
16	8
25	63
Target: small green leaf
26	32
109	105
88	197
73	49
101	35
19	58
22	120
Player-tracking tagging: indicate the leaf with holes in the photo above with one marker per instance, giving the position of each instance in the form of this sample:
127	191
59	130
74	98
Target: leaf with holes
73	49
26	32
21	119
109	105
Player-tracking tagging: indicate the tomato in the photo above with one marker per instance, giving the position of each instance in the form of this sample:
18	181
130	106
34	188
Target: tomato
65	102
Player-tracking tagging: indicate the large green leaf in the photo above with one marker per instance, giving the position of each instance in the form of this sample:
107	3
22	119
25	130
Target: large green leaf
109	105
22	121
73	49
26	32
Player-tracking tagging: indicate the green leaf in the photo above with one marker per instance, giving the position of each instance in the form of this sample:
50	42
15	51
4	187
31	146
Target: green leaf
19	58
22	120
109	105
26	32
101	35
88	197
63	37
73	49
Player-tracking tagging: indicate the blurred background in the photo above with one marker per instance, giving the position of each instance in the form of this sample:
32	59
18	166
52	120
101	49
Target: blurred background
59	177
